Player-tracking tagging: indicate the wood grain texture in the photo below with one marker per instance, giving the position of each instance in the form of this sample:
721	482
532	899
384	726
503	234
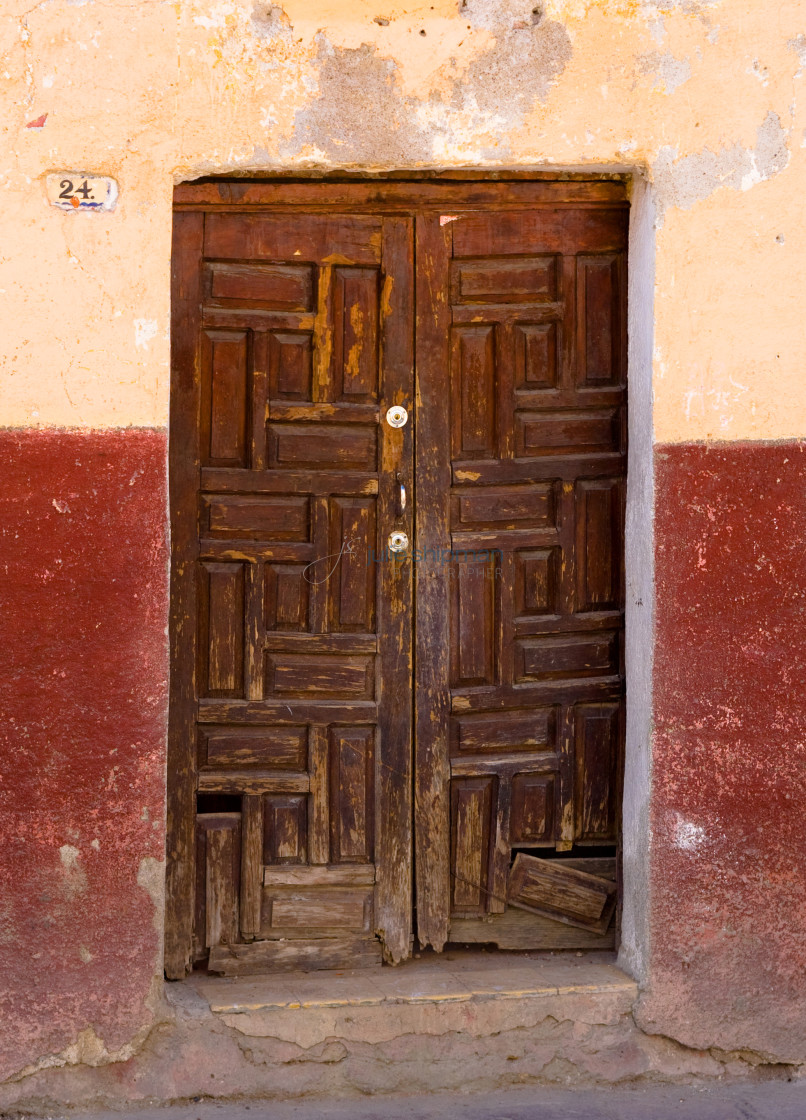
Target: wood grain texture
393	899
564	894
449	189
298	362
251	863
537	409
306	954
431	679
184	462
334	874
301	316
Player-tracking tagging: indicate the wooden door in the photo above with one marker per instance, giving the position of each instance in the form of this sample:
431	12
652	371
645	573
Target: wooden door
301	656
520	466
290	761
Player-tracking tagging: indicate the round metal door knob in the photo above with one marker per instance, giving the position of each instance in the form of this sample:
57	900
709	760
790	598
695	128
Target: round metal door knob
396	416
398	542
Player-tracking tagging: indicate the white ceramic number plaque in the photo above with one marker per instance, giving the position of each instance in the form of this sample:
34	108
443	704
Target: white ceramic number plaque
75	190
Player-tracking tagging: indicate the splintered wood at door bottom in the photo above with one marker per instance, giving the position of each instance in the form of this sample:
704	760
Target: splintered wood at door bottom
521	929
562	893
304	954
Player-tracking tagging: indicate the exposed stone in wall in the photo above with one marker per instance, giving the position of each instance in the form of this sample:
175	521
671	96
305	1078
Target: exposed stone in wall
359	115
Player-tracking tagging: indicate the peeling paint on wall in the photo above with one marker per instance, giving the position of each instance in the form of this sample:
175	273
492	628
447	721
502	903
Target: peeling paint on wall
360	116
685	181
667	72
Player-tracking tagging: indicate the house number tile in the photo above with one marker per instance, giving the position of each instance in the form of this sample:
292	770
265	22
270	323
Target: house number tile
76	190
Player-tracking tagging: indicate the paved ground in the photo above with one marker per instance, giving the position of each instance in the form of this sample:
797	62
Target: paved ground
771	1100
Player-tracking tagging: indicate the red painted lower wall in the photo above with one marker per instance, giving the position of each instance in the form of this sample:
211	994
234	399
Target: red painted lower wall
728	803
83	694
83	571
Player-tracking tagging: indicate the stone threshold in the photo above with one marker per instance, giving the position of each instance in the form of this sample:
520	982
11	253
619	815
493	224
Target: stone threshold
464	1021
457	976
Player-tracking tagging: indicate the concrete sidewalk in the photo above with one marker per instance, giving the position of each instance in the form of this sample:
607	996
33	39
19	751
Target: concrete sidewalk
769	1100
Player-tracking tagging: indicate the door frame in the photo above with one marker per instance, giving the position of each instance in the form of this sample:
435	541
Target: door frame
401	194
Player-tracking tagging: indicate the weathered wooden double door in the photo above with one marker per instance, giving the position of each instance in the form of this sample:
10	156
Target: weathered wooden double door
363	739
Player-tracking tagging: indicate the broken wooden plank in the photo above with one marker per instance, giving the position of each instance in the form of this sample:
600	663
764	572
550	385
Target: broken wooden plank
564	894
518	929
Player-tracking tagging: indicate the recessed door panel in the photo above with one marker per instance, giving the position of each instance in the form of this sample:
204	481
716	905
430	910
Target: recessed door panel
521	452
292	674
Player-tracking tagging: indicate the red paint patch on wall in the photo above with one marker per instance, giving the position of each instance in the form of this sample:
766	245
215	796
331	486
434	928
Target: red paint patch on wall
84	565
727	871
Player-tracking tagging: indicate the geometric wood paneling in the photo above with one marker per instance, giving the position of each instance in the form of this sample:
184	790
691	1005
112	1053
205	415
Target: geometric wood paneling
276	748
597	735
285	828
537	354
302	331
222	594
286	597
599	314
598	544
266	287
471	811
537	454
290	366
532	819
473	409
537	581
293	646
352	758
218	855
225	399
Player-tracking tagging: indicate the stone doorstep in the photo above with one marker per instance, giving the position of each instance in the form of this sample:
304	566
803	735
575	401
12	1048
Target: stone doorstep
465	1021
466	990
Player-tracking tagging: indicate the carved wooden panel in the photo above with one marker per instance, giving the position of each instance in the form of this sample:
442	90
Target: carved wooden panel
535	461
298	662
280	514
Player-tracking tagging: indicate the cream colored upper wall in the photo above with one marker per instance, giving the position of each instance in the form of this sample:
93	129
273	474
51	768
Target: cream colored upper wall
708	99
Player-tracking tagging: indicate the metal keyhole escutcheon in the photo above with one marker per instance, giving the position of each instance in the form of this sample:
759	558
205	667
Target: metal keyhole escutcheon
396	416
398	542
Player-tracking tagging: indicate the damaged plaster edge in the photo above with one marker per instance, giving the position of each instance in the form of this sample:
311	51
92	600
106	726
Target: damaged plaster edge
315	169
789	1068
88	1047
250	1067
634	951
83	429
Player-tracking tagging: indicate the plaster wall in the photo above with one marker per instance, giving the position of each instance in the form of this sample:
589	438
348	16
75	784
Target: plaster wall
704	102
